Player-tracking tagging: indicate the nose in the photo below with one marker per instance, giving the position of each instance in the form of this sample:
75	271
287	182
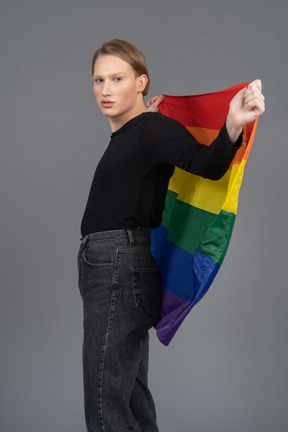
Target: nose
106	89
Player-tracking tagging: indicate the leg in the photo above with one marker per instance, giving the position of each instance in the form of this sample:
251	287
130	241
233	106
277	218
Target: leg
120	290
127	404
141	403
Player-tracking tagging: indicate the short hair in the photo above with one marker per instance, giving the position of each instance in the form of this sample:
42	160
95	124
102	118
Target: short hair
127	52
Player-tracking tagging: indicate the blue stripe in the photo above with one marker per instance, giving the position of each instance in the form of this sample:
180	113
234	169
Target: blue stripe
187	276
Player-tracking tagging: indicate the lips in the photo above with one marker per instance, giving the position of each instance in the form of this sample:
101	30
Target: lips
107	104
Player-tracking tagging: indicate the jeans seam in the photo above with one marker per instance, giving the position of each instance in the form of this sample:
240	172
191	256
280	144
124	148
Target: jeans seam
102	363
109	325
79	264
109	264
116	268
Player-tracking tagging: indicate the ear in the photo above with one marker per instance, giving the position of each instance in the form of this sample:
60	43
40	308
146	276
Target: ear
141	83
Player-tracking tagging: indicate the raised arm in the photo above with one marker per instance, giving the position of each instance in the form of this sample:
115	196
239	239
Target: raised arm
245	107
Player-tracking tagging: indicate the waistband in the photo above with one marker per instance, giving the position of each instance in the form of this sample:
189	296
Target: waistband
130	233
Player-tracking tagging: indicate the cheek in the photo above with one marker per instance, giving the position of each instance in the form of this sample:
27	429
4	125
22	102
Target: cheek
128	92
97	94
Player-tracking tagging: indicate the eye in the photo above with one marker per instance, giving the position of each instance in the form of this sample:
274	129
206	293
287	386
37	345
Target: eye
98	80
117	79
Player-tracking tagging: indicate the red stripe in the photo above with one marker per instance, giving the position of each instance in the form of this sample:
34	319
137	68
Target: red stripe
207	110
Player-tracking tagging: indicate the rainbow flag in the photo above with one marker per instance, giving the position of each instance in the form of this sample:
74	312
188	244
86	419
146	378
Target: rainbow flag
191	243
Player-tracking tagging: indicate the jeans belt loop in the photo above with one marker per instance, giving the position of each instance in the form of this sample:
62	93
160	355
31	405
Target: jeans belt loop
84	240
131	237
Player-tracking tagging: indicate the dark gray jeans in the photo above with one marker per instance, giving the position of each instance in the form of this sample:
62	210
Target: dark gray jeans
121	286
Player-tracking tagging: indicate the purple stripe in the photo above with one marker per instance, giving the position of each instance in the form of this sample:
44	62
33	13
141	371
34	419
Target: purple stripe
185	278
173	312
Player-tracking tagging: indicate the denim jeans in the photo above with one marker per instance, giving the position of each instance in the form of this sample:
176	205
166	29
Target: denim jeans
120	285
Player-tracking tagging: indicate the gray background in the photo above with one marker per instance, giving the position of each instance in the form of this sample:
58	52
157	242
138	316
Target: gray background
226	370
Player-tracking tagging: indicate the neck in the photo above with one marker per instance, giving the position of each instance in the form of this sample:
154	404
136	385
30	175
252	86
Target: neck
117	122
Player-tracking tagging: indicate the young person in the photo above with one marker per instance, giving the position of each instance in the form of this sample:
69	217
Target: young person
118	278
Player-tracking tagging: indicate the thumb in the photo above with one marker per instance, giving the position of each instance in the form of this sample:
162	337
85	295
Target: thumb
240	95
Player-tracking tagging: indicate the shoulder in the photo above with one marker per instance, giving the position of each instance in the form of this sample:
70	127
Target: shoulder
156	118
159	124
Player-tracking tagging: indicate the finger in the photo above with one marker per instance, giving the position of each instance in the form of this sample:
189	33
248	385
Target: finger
255	94
157	101
150	101
253	89
257	83
154	106
257	106
243	91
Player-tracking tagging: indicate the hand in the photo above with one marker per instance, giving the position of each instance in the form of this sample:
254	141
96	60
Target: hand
245	107
152	104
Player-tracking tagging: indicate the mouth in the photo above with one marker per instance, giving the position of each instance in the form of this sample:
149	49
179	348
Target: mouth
107	103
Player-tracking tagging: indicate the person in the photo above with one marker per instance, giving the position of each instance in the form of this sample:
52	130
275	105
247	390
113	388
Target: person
118	278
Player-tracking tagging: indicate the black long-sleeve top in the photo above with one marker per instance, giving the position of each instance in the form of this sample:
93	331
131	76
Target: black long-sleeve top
131	179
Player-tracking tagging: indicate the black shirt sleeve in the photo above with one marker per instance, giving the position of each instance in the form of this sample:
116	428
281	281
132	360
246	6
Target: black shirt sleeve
168	141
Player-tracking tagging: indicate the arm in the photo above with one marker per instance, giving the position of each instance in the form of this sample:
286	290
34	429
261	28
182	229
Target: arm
245	107
166	141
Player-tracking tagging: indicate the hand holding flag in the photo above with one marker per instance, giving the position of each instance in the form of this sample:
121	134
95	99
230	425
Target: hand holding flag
245	107
152	104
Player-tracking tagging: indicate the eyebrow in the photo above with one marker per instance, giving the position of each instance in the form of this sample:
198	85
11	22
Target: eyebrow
112	75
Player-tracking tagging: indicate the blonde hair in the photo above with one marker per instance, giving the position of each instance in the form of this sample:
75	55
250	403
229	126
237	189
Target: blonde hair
127	52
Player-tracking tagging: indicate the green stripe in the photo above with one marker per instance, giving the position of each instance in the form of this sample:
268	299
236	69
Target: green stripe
216	241
191	228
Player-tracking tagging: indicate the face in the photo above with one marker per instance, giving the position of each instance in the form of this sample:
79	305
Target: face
117	89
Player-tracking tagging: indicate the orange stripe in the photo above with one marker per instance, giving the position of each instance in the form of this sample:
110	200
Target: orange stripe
248	135
203	135
207	136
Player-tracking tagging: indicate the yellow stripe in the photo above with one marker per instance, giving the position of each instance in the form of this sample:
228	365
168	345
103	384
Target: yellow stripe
209	195
231	202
